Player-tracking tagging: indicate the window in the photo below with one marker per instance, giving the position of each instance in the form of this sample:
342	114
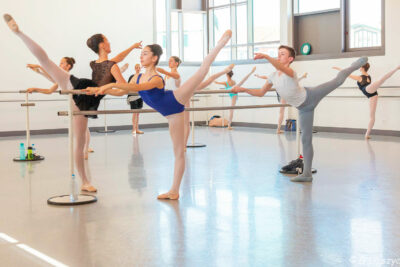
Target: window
306	6
365	22
193	37
161	38
179	33
339	30
255	24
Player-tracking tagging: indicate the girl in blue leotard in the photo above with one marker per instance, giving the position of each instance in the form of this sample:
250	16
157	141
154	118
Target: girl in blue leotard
170	104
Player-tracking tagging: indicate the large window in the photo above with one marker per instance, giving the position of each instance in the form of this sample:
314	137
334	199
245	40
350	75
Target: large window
180	33
255	25
337	28
365	23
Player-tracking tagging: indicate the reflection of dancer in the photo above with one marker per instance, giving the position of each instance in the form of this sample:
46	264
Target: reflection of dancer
67	82
228	86
370	90
304	99
280	100
170	104
136	171
136	102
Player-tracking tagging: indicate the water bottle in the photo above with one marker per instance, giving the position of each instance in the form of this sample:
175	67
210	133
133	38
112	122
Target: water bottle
74	188
30	154
21	151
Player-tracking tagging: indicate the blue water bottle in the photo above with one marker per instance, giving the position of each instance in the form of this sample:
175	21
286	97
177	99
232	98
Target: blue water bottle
21	151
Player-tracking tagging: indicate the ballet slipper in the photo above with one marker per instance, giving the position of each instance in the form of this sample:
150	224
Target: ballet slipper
11	23
139	132
90	150
229	68
168	196
230	128
88	188
367	137
225	38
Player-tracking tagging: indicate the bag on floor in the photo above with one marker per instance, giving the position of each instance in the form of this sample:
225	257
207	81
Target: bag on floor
290	125
216	121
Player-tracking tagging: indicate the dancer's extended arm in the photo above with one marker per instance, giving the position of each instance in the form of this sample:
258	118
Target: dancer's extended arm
173	74
38	69
279	66
43	91
121	56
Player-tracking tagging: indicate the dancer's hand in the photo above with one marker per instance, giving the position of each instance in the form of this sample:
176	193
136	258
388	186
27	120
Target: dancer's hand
91	90
259	56
161	70
137	45
254	69
337	68
305	75
30	90
33	67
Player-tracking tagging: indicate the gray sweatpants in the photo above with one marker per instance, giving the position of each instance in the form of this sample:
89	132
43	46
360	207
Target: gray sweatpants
306	110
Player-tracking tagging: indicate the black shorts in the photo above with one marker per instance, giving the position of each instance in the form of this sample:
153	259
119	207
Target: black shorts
137	104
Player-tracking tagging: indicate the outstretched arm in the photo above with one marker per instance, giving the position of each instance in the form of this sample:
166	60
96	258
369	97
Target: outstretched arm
215	76
354	77
254	92
265	77
221	83
43	91
38	69
125	88
173	74
279	66
121	56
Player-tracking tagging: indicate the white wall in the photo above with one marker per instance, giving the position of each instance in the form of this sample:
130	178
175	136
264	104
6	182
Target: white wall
62	28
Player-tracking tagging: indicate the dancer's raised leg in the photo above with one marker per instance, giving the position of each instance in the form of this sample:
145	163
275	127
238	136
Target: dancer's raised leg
186	90
60	76
374	86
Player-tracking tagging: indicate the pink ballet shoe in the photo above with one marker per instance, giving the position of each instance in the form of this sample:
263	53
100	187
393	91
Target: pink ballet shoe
11	23
88	188
168	196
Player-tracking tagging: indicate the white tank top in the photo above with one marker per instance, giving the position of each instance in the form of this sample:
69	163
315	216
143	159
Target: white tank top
172	84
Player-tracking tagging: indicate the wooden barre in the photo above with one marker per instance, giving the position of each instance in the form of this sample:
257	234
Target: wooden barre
127	111
202	92
27	104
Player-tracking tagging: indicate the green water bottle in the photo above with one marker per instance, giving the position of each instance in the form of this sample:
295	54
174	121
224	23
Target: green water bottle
30	153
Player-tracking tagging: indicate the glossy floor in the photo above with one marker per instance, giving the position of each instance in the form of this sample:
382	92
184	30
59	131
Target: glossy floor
236	209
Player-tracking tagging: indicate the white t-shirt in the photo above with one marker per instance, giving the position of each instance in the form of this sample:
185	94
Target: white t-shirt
288	88
172	84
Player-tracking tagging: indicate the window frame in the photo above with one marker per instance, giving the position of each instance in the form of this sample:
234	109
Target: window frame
346	51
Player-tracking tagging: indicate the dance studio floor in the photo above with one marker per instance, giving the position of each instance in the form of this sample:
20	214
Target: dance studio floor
236	209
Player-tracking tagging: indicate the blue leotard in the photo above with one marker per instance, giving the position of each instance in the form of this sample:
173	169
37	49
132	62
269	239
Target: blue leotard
161	100
228	87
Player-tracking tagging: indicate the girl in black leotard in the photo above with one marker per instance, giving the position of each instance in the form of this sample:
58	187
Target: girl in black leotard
104	71
370	90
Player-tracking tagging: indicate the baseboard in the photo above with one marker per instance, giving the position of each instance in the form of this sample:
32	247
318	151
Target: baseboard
202	123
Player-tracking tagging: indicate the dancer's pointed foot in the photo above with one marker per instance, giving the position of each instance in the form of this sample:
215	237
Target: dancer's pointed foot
359	62
139	132
88	188
367	137
11	23
90	150
225	38
279	132
229	68
169	196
